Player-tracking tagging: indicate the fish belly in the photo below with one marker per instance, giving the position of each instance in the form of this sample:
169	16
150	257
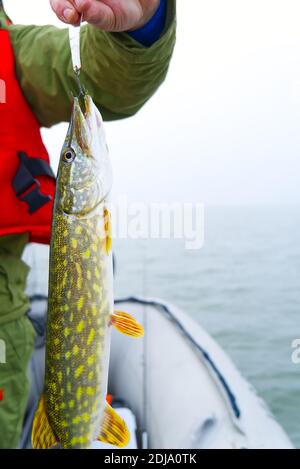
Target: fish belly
78	329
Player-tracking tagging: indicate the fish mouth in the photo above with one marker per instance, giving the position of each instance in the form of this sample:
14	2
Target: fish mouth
79	130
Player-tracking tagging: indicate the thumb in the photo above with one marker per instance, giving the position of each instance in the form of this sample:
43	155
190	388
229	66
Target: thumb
65	11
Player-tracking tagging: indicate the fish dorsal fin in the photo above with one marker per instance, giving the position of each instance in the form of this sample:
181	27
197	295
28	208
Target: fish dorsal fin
126	324
42	433
113	430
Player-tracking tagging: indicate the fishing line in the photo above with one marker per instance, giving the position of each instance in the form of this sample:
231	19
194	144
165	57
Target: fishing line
144	359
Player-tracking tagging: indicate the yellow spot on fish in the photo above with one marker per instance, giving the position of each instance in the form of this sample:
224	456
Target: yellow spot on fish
96	288
78	268
69	386
68	370
91	336
69	294
89	275
90	391
64	282
94	310
53	387
68	355
74	440
67	331
56	341
78	230
56	356
66	308
62	405
64	249
91	360
65	263
86	254
80	303
78	393
74	243
86	403
91	375
80	326
75	350
76	420
65	233
94	406
97	273
64	423
85	417
79	283
59	376
72	404
62	392
79	371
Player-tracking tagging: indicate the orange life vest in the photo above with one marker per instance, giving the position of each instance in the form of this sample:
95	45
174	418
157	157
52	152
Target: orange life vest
27	183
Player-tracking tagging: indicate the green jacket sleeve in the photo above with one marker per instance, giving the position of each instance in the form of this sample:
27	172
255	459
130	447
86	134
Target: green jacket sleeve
119	73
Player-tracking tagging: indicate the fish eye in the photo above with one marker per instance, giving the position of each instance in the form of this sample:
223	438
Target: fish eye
69	155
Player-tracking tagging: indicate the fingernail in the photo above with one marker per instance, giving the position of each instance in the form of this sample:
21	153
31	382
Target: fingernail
68	14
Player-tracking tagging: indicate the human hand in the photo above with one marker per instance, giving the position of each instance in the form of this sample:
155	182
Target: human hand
108	15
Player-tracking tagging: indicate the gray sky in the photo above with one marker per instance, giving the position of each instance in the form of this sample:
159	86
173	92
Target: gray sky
225	126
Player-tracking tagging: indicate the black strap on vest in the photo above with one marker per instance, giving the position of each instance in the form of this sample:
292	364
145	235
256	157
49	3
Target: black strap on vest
26	187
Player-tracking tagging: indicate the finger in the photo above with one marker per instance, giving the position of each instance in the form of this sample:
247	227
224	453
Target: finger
96	13
65	11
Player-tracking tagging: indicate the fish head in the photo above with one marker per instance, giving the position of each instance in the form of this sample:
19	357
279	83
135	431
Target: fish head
85	175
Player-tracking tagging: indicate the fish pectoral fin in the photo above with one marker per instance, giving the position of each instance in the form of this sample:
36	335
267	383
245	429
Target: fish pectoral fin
113	430
126	324
42	434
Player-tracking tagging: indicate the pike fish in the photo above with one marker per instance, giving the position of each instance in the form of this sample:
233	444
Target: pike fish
73	411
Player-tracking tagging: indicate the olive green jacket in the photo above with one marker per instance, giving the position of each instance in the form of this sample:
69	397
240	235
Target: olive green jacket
118	72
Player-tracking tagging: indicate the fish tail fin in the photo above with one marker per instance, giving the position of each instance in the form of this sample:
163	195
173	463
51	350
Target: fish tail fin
126	324
113	430
42	434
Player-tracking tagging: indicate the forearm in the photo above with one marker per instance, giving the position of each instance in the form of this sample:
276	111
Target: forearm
119	73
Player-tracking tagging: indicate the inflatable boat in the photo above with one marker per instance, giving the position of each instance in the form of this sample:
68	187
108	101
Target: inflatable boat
176	388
